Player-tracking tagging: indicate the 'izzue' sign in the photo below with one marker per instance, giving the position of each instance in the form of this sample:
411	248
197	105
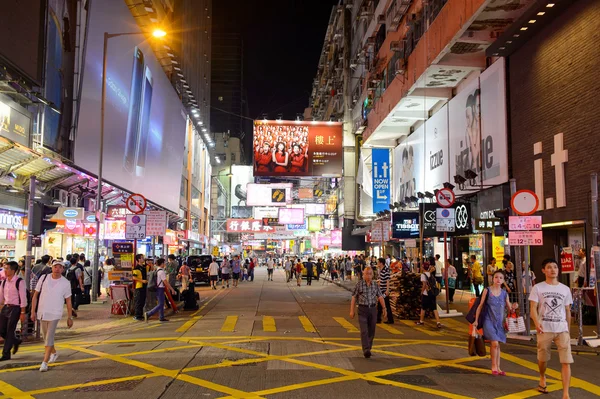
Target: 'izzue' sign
463	220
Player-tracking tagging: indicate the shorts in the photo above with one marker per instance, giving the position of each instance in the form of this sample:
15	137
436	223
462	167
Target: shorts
236	276
563	343
428	302
214	278
348	272
225	276
48	330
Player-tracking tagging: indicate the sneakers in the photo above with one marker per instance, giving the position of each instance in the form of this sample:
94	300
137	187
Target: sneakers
53	358
163	320
44	367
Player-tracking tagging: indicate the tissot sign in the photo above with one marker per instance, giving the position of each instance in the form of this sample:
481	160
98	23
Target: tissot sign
462	214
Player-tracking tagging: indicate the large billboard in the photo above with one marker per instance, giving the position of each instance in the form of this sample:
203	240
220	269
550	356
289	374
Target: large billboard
412	159
145	122
276	194
241	175
436	150
288	148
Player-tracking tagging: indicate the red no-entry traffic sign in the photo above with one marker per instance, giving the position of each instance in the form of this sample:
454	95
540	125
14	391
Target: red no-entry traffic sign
136	203
445	197
524	202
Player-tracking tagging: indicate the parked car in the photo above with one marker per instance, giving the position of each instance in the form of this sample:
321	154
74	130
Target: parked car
199	267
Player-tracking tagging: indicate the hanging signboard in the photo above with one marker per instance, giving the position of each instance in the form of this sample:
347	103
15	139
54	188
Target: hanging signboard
380	231
156	223
524	223
381	179
566	260
524	238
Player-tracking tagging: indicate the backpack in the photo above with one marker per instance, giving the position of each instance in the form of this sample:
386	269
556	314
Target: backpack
72	276
434	289
152	281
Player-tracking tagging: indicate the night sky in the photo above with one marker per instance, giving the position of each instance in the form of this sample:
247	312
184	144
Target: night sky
282	44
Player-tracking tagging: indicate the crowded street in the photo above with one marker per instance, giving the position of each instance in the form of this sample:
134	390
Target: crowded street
277	340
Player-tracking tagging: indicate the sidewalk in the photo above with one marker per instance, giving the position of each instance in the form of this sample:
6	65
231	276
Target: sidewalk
461	305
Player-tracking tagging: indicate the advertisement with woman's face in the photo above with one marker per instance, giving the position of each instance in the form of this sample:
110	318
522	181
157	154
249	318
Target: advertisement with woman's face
145	122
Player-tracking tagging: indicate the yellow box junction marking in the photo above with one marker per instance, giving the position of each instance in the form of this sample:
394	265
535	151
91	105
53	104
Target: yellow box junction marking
308	326
188	324
229	324
346	324
12	391
269	324
421	329
390	329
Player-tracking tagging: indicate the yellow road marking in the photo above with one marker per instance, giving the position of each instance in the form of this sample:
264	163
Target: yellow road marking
308	326
12	391
269	324
105	326
346	324
304	385
229	324
456	324
530	393
390	329
148	327
421	329
188	324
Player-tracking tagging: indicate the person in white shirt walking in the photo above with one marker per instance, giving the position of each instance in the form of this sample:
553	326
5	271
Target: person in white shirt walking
550	303
288	269
53	290
270	266
162	282
225	272
213	273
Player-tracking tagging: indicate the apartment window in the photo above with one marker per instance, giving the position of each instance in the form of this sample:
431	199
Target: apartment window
232	157
184	187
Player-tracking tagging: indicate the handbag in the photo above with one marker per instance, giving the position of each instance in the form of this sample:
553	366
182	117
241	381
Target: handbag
476	344
473	311
516	324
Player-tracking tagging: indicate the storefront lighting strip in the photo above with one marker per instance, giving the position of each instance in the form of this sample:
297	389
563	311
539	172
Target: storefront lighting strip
561	224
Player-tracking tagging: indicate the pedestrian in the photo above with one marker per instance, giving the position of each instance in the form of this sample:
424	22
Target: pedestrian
510	283
491	269
251	269
270	264
358	266
451	274
213	273
384	287
108	267
51	292
87	282
496	301
171	269
13	298
225	272
298	273
388	260
581	271
236	268
439	267
550	304
75	277
367	294
140	279
348	268
428	296
476	275
185	276
288	269
309	271
162	283
39	270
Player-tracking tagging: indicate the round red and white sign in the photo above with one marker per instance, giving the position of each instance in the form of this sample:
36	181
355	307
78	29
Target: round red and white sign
445	197
136	203
524	202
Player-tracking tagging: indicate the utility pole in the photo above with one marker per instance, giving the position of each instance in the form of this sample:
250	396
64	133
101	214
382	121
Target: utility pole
29	248
519	266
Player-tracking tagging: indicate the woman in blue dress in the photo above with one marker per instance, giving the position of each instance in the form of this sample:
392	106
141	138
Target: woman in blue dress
496	301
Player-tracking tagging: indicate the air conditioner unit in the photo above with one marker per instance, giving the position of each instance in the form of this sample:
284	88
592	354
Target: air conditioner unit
63	197
73	200
397	45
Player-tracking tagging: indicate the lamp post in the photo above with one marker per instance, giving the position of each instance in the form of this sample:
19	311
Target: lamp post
156	33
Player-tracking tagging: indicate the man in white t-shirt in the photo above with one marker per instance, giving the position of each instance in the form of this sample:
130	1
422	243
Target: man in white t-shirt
550	303
162	283
288	268
270	265
225	272
53	291
213	273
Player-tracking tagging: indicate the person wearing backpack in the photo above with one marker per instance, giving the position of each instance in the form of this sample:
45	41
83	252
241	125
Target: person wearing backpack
52	291
13	299
75	277
429	291
140	279
87	283
157	280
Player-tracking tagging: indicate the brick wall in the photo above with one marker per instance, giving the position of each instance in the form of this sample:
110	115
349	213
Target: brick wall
555	88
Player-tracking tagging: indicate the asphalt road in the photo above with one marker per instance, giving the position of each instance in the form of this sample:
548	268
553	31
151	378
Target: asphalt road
275	340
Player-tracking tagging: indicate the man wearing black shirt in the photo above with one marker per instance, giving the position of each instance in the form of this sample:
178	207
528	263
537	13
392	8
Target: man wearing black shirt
309	271
140	279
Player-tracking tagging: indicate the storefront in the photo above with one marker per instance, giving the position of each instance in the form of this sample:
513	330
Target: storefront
13	240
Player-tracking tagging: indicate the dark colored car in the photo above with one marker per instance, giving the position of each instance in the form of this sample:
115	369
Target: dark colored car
199	267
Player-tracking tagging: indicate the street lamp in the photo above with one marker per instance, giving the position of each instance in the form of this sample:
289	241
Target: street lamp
158	33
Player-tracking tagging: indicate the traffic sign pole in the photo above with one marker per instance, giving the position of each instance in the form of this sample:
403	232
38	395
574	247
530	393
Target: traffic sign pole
446	272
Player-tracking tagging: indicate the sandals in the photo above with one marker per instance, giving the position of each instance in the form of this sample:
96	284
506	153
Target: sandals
542	389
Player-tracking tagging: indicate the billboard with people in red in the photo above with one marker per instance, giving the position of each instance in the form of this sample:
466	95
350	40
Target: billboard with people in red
287	148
